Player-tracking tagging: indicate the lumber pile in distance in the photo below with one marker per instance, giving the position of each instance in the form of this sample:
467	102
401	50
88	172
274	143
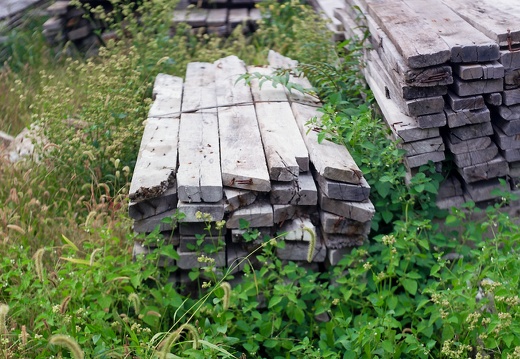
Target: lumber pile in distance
215	149
445	74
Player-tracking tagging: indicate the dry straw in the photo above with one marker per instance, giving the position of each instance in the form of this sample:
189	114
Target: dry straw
38	263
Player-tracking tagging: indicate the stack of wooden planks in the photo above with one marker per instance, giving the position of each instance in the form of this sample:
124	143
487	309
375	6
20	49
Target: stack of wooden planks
218	17
216	149
445	76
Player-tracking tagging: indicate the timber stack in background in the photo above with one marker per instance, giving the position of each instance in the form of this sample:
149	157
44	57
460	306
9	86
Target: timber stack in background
214	146
445	74
68	23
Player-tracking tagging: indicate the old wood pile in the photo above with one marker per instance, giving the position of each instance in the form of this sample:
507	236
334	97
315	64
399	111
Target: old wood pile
70	23
445	74
214	146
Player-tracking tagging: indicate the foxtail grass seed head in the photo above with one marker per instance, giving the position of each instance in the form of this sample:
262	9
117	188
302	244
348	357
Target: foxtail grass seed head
93	255
134	299
227	294
173	337
38	263
69	343
312	244
4	309
64	304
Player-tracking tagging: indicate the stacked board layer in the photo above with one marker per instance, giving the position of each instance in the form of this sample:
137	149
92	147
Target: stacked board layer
445	74
217	149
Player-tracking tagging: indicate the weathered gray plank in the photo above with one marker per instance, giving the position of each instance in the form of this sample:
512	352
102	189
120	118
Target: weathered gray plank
229	91
432	120
216	210
512	79
423	159
217	17
154	206
497	167
357	211
168	97
297	251
403	127
467	117
264	90
337	241
476	157
504	141
199	176
470	145
509	112
496	19
237	16
435	144
398	69
468	132
494	99
482	191
298	229
284	212
450	187
166	85
332	223
416	41
237	198
335	255
258	214
512	155
511	97
465	44
458	103
284	147
301	192
510	60
193	228
510	128
156	164
199	88
343	191
149	224
189	260
476	87
331	160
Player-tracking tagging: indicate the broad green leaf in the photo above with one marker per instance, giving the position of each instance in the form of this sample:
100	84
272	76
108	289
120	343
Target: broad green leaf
274	301
387	346
410	285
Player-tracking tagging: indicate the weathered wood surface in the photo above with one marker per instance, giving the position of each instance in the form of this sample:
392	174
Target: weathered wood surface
497	19
416	41
512	155
476	87
511	97
328	7
168	98
466	146
357	211
199	175
435	144
190	260
483	190
331	160
510	128
476	157
154	206
216	210
147	225
493	99
458	103
398	69
489	70
465	44
403	127
468	132
284	212
297	229
509	113
237	16
9	8
497	167
343	191
510	59
336	241
217	17
242	155
414	107
423	159
301	191
466	117
512	79
237	198
297	251
450	187
504	141
263	90
156	164
258	214
332	223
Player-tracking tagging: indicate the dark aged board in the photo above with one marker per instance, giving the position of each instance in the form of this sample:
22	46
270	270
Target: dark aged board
466	117
504	141
301	191
470	145
458	103
343	191
357	211
498	19
332	223
154	206
417	42
465	44
242	155
331	160
258	214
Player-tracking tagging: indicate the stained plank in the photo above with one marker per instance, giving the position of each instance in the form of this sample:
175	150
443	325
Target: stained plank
302	191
